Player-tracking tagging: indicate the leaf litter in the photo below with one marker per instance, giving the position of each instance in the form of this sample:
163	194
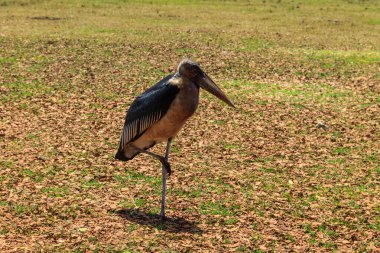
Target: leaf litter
294	168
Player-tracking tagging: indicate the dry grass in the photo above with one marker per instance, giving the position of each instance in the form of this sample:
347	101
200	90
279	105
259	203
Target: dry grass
263	178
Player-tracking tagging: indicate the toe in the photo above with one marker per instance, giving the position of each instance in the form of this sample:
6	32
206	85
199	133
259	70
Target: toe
167	168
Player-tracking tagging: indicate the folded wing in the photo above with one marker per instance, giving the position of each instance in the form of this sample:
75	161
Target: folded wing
146	109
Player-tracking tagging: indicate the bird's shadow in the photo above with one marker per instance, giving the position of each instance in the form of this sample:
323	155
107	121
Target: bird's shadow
170	224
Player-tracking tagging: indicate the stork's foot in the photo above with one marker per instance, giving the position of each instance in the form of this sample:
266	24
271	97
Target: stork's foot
166	165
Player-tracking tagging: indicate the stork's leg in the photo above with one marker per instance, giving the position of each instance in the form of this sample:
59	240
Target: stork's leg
164	171
162	159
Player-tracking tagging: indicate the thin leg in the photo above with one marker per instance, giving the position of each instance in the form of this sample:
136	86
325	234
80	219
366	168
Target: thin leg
162	159
164	171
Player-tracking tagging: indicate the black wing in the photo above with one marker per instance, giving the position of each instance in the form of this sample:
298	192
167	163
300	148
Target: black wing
145	110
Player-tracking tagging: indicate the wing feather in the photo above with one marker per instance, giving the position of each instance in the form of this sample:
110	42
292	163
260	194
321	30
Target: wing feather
146	109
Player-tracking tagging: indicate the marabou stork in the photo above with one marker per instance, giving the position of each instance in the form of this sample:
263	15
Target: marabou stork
159	113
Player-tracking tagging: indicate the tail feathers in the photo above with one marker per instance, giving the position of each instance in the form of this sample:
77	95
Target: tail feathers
127	152
121	156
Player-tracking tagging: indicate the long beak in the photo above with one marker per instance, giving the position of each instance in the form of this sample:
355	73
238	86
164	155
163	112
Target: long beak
208	84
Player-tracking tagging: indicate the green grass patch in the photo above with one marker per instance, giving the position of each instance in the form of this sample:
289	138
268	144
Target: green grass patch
218	208
57	192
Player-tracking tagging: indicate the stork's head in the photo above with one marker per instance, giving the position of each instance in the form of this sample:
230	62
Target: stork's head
192	71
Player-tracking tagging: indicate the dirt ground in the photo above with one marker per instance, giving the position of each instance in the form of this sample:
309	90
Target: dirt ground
295	168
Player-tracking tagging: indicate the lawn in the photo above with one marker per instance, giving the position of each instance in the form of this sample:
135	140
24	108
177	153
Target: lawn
295	168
